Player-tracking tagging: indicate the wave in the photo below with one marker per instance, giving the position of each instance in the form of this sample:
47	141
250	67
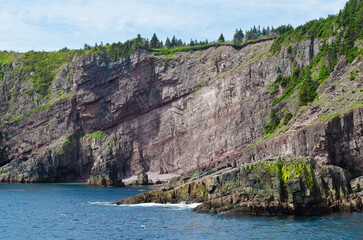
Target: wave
174	206
180	206
101	203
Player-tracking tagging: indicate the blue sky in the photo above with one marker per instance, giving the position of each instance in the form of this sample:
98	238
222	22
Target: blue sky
53	24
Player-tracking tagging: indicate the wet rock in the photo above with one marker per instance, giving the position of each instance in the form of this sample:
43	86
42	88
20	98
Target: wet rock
357	184
104	180
279	187
142	178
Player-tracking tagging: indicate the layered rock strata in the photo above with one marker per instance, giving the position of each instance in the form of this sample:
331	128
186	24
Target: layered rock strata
107	119
270	187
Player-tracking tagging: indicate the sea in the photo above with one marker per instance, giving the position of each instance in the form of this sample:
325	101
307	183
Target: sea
76	211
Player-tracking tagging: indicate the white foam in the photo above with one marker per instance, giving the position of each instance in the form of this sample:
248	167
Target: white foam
176	206
100	203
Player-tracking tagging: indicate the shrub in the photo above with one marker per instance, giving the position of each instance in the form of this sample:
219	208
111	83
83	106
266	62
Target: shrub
273	124
287	118
274	89
289	50
98	134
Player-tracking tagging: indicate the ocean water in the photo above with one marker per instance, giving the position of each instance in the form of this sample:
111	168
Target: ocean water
75	211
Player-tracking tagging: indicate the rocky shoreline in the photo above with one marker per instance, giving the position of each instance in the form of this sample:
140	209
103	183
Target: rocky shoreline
270	187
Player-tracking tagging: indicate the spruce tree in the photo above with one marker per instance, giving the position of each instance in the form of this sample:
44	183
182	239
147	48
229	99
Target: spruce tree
173	42
238	36
307	92
221	38
167	43
154	42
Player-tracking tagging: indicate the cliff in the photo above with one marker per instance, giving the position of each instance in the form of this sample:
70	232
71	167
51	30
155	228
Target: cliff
103	120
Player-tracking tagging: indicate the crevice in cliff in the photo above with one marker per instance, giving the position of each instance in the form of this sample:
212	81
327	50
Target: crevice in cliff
3	158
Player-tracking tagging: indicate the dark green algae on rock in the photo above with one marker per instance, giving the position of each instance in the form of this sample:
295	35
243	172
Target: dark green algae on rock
270	187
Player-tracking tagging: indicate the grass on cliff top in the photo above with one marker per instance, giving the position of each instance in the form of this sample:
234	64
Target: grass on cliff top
42	67
39	67
6	59
171	51
347	24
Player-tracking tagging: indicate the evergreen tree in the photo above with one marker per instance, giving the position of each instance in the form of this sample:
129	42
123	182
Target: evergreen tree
274	122
307	92
146	43
191	42
167	43
254	31
154	42
238	36
258	32
138	38
173	42
87	47
221	38
268	31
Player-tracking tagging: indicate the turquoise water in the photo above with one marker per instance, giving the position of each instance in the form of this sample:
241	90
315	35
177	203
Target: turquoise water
75	211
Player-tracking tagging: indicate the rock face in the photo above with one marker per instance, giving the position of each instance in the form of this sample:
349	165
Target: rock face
142	178
107	119
271	187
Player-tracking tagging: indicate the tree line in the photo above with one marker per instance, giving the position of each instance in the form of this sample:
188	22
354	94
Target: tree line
119	50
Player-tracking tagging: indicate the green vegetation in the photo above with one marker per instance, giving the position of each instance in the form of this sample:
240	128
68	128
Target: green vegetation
198	87
98	134
40	67
117	50
288	116
329	116
346	26
307	91
67	141
289	50
323	73
221	38
6	59
346	29
274	122
289	84
286	170
238	36
308	177
275	88
43	66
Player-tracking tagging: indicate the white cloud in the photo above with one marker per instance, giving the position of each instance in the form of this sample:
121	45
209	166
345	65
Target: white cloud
51	25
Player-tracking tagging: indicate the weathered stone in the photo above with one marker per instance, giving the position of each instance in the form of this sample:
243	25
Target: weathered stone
302	191
357	184
199	110
142	178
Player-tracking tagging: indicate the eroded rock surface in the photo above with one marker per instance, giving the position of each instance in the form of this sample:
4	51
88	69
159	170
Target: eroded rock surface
271	187
195	110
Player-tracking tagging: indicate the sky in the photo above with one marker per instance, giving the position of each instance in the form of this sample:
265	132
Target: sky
53	24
